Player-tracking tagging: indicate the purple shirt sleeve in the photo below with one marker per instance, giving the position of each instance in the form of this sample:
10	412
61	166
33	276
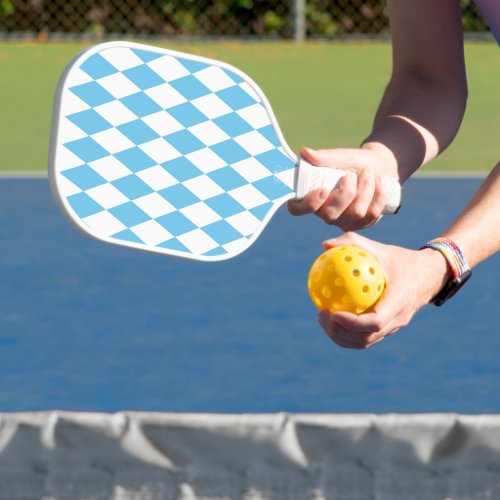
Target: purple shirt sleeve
490	9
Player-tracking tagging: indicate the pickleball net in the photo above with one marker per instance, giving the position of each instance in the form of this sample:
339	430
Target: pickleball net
159	456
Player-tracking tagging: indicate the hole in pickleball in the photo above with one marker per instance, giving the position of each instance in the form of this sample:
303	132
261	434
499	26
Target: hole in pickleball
356	273
339	281
348	258
366	289
346	299
379	287
372	270
317	300
363	254
327	293
317	276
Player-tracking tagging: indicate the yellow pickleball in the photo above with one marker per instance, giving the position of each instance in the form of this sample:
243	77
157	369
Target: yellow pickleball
346	278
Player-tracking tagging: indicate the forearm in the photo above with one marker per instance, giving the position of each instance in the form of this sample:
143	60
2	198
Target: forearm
477	230
416	121
424	103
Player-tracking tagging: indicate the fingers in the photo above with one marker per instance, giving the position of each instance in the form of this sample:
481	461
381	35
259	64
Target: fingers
365	330
379	201
340	198
335	158
370	202
310	203
355	332
348	204
367	205
356	202
351	238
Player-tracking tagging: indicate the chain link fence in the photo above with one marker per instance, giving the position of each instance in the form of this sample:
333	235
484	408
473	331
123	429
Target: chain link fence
285	19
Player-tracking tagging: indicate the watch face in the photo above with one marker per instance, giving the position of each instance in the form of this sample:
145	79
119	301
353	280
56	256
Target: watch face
451	288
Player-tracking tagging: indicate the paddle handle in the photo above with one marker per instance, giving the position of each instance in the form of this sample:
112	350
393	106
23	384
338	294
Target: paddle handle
309	177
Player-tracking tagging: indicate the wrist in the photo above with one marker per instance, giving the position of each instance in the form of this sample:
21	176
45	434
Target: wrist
437	273
388	165
458	268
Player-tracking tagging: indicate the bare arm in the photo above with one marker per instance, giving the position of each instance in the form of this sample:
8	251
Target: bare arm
424	102
418	117
477	230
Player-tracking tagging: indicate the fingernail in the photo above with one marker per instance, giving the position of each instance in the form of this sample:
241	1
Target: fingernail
324	193
306	150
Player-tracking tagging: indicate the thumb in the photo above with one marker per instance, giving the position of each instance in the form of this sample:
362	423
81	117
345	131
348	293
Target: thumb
336	158
348	238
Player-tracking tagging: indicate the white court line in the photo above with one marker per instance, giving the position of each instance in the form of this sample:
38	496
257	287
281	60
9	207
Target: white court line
454	174
23	174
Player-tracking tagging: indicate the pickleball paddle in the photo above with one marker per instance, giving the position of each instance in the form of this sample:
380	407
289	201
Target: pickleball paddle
172	153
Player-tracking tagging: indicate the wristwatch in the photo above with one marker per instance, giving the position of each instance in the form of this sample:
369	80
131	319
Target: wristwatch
459	267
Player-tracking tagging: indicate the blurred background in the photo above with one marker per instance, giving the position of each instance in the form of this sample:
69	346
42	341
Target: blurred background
324	91
283	19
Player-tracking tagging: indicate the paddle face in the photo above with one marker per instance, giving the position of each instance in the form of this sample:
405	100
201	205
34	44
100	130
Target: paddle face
166	152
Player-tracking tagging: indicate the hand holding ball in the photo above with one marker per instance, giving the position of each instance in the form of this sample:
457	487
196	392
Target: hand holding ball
346	278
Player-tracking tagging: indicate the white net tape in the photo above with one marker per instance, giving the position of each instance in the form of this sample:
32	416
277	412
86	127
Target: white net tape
160	456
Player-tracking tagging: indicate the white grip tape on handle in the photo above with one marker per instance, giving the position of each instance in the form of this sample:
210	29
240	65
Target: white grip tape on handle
309	177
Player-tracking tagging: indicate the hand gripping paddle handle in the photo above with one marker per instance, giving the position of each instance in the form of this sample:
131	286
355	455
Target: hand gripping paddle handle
309	177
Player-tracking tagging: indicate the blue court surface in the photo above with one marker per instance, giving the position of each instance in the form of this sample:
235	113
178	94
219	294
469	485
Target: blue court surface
86	326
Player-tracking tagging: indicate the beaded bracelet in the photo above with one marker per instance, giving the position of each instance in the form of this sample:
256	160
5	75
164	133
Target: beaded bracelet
452	254
459	267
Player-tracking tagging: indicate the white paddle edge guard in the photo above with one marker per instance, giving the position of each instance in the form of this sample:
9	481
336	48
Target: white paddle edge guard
309	177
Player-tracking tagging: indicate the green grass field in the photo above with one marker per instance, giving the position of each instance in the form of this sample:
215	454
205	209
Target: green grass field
324	95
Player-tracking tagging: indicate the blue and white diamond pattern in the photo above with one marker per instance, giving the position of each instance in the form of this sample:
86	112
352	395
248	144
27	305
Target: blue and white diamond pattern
167	151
